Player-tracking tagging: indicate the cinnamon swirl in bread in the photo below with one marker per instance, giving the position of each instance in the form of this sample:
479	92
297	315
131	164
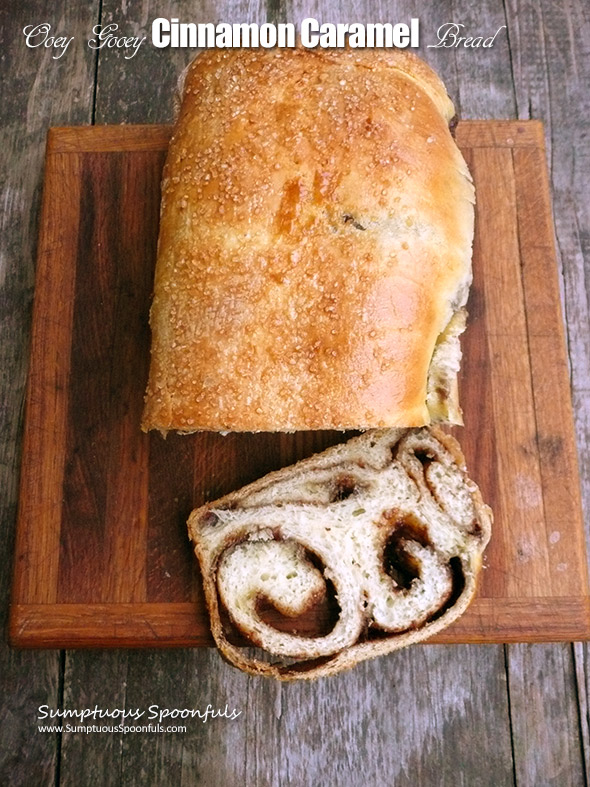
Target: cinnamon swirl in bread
315	240
379	541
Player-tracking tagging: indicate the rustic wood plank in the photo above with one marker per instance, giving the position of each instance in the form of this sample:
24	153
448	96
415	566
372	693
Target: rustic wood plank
38	92
558	459
218	751
42	476
171	573
83	557
520	504
478	441
96	679
128	496
582	687
170	624
141	90
113	139
545	723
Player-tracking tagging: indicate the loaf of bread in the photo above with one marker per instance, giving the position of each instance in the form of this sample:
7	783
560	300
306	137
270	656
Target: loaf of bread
377	543
314	253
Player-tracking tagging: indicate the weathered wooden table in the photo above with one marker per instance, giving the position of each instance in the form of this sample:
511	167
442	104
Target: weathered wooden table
435	714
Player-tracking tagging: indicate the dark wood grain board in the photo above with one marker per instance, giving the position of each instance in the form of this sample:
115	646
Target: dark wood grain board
102	556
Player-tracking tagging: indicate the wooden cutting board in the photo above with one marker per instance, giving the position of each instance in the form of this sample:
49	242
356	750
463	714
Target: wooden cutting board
102	556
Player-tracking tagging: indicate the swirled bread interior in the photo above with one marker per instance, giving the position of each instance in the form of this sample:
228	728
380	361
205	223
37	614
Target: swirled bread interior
381	538
314	254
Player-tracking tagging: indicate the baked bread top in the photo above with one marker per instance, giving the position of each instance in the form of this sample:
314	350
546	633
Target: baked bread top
315	246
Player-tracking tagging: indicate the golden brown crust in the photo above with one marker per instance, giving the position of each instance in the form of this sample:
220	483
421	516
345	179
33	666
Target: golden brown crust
315	240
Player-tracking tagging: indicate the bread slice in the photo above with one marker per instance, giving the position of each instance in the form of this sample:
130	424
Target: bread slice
387	530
